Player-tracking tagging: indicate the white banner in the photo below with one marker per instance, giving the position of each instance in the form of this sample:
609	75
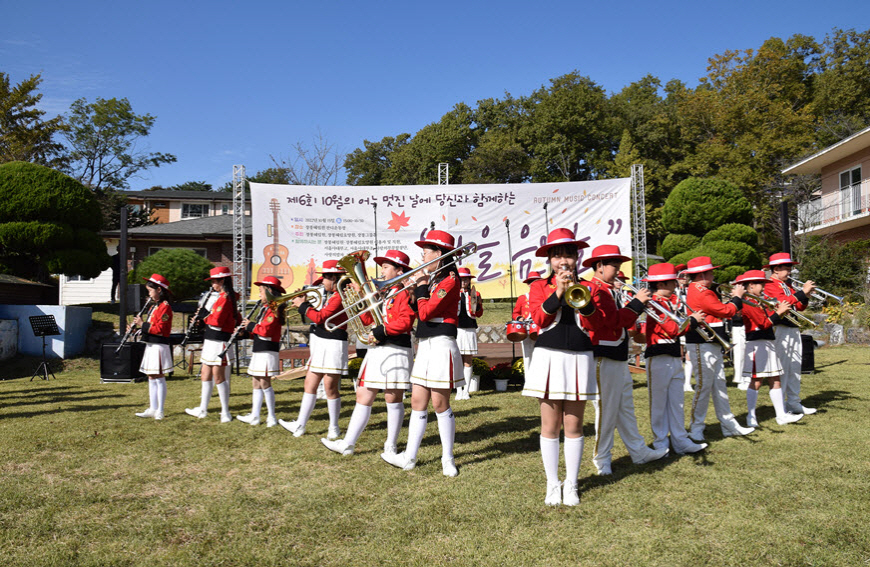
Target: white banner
296	228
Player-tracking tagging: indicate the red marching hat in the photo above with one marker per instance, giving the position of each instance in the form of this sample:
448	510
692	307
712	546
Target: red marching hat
752	276
700	264
159	280
558	237
604	252
218	273
396	257
532	277
780	259
329	267
661	273
272	281
440	238
465	273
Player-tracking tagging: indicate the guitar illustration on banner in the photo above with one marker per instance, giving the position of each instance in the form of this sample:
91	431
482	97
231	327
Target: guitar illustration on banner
275	254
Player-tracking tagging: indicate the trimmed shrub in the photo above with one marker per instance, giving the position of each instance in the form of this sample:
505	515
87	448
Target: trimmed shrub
674	244
185	269
734	232
697	206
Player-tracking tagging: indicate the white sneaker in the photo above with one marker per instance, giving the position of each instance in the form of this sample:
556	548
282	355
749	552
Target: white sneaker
249	418
736	431
554	494
340	446
400	460
147	413
333	433
604	470
789	418
271	422
687	388
569	494
196	412
226	417
743	386
751	421
448	466
294	427
390	449
808	411
652	455
693	448
158	415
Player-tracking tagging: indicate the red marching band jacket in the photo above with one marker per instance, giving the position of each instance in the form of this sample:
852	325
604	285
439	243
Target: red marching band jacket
267	332
222	319
562	328
159	324
781	291
701	298
663	338
331	306
610	338
437	307
759	322
521	309
398	321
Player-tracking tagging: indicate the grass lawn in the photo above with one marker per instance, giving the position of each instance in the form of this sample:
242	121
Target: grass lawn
84	482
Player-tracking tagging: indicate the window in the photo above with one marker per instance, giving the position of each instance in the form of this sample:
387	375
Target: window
193	211
225	209
77	279
850	191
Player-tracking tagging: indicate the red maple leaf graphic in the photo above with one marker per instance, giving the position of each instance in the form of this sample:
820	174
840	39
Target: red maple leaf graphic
398	221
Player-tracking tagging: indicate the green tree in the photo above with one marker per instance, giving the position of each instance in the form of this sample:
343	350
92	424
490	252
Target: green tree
369	166
697	206
191	186
734	232
102	137
183	268
674	244
24	134
48	224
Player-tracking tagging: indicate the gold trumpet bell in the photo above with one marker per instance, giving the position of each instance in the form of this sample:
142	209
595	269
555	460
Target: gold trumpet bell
579	297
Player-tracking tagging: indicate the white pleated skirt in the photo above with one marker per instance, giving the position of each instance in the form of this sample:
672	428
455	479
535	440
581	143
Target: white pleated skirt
264	364
328	356
211	351
561	375
156	360
438	364
760	360
386	367
466	339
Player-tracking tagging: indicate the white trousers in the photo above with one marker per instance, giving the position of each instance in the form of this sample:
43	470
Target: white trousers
707	366
664	375
789	351
614	410
738	352
527	344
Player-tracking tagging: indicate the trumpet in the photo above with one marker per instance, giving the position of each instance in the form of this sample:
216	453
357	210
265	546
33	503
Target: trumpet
578	296
376	291
707	332
792	315
819	293
656	310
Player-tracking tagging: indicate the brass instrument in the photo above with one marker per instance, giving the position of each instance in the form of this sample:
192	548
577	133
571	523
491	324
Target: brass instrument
656	310
472	294
578	296
792	315
819	293
132	328
357	277
707	332
377	292
273	301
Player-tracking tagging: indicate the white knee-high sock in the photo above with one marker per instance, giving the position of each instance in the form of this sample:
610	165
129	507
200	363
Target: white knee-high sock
257	402
778	402
447	432
395	416
161	393
358	421
224	394
306	408
269	394
416	430
751	402
550	456
334	407
207	387
573	457
152	394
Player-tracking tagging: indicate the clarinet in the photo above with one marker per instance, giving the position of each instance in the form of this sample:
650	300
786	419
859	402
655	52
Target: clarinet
132	328
193	320
238	329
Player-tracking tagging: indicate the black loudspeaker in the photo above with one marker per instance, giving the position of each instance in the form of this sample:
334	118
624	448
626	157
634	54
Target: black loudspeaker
808	358
122	366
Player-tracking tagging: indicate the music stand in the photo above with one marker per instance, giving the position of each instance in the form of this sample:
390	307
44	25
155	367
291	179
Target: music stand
43	326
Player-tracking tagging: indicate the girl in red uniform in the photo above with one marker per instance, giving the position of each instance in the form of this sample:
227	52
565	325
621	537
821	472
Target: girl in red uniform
158	356
470	308
760	360
266	334
328	359
561	373
387	363
438	365
220	323
521	313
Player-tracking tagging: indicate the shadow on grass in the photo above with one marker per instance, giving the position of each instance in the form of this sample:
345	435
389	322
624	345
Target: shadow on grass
25	367
73	408
53	397
830	364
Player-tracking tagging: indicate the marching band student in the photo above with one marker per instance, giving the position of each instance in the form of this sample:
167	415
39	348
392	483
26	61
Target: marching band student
328	359
438	365
561	372
157	359
788	336
219	325
521	313
614	408
470	308
387	364
705	357
680	299
664	369
266	334
761	361
738	350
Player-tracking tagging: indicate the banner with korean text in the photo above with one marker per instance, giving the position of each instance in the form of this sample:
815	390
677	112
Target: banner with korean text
295	228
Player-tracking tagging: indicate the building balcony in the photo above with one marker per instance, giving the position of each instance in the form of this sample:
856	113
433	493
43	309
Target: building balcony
835	212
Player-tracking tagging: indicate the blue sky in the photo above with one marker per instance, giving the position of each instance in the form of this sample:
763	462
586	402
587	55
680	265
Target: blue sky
233	83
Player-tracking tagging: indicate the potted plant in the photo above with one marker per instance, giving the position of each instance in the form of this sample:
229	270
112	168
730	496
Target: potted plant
501	373
478	369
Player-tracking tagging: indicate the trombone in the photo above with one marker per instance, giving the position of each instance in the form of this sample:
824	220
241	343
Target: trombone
792	315
819	293
706	331
656	310
376	292
273	301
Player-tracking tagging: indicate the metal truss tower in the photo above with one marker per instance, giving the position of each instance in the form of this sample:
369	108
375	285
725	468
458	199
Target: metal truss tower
638	215
240	265
443	174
